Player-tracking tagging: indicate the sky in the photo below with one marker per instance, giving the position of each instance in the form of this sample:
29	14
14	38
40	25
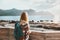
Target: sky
52	6
27	4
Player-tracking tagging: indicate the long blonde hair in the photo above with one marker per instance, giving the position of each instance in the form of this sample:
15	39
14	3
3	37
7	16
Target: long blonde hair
24	16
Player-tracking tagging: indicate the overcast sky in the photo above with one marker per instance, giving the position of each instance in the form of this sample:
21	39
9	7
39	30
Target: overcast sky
52	6
27	4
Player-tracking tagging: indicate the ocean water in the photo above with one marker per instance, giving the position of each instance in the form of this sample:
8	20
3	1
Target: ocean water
35	18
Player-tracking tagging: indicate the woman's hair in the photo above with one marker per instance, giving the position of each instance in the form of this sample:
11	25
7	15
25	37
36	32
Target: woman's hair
24	16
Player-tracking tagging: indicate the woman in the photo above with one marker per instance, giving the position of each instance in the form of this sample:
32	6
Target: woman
22	29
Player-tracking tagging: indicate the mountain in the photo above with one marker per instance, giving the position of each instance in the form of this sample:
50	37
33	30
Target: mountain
15	12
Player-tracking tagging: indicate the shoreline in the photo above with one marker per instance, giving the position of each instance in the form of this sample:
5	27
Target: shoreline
40	30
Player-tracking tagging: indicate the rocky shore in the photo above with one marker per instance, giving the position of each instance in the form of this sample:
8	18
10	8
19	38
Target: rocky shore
8	34
38	32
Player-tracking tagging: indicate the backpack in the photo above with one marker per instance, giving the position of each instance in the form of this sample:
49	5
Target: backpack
18	31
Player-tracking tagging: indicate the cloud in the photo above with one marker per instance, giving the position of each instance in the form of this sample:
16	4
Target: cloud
47	4
27	4
56	12
19	4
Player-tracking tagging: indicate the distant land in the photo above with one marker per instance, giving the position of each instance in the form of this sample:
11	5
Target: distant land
16	12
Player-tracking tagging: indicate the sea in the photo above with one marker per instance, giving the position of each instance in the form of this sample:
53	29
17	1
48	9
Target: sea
35	18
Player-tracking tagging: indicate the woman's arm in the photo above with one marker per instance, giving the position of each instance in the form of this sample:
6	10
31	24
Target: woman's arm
28	29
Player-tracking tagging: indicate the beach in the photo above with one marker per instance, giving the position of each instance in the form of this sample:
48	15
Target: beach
37	33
